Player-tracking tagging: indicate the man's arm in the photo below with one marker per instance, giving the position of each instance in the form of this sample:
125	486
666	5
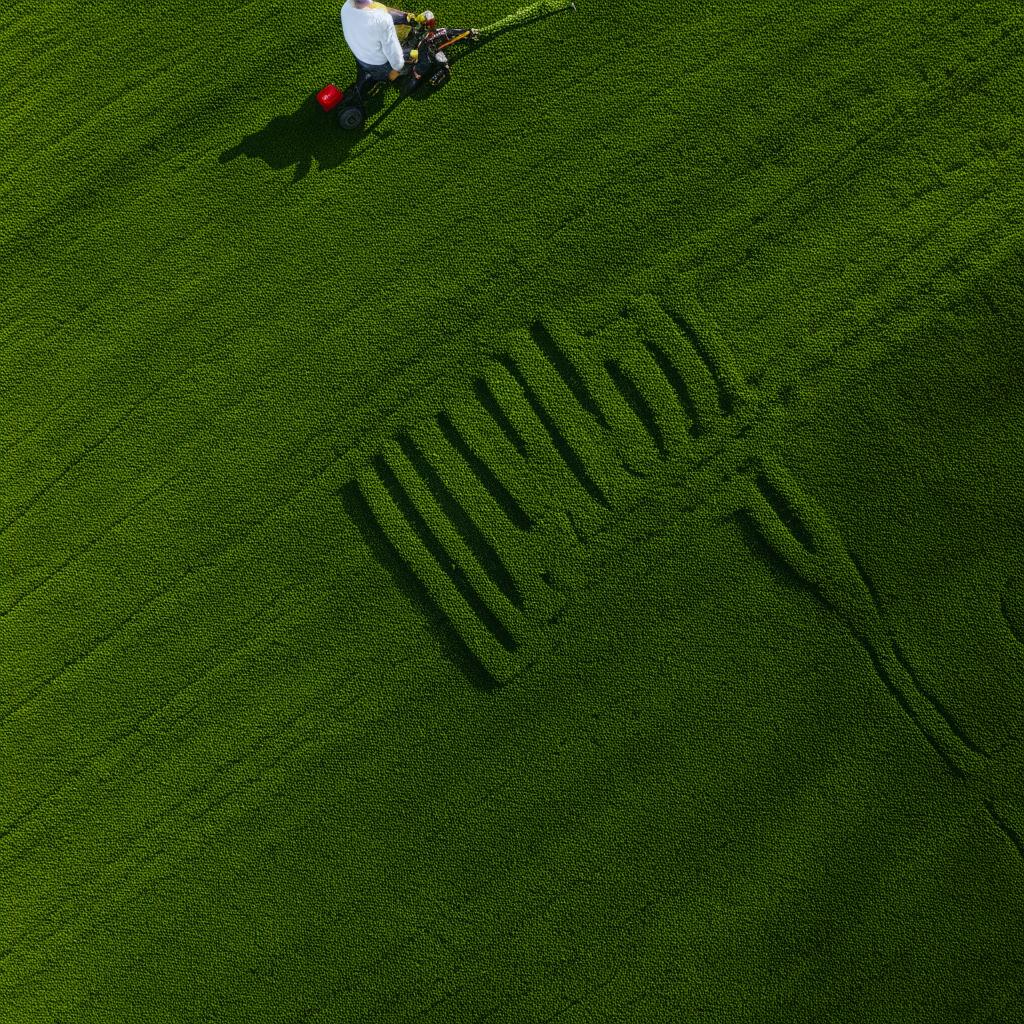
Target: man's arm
393	51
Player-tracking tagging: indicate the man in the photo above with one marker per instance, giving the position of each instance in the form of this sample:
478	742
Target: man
370	32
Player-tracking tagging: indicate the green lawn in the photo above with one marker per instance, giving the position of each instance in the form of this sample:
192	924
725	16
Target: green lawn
557	556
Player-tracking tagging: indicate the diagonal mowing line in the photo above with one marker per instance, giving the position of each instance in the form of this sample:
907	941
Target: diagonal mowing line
170	378
72	328
262	617
593	990
297	718
79	552
9	31
222	340
115	283
26	434
780	201
898	117
199	790
72	663
960	214
169	64
558	897
776	206
847	335
1006	828
152	255
76	555
218	411
928	694
28	505
228	547
292	723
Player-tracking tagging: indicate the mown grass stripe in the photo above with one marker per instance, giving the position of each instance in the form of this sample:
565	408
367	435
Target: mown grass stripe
574	426
491	447
484	391
631	394
83	550
685	372
1006	828
412	585
551	478
397	515
613	338
517	548
543	409
117	873
930	695
550	337
714	353
781	504
653	386
483	473
435	529
473	539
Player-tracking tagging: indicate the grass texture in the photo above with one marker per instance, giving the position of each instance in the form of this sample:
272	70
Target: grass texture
555	556
524	15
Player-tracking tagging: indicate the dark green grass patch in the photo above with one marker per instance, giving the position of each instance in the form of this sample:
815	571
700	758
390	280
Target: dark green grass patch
556	556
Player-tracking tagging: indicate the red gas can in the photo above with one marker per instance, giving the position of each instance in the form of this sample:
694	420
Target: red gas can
330	96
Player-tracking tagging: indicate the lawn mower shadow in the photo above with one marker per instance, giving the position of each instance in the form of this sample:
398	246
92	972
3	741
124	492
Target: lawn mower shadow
308	135
296	140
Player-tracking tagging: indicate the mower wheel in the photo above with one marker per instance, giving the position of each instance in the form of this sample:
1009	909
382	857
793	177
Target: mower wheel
409	84
439	77
351	117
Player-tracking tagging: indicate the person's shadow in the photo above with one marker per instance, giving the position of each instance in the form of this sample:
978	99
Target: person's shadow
308	134
296	140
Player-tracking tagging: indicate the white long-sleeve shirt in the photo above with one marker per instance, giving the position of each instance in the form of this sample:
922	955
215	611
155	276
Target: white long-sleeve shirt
370	34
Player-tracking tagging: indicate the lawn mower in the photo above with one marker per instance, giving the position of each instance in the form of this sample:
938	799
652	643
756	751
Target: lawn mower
427	69
427	65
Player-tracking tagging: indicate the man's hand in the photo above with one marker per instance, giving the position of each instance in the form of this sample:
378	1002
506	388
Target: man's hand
392	75
410	19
